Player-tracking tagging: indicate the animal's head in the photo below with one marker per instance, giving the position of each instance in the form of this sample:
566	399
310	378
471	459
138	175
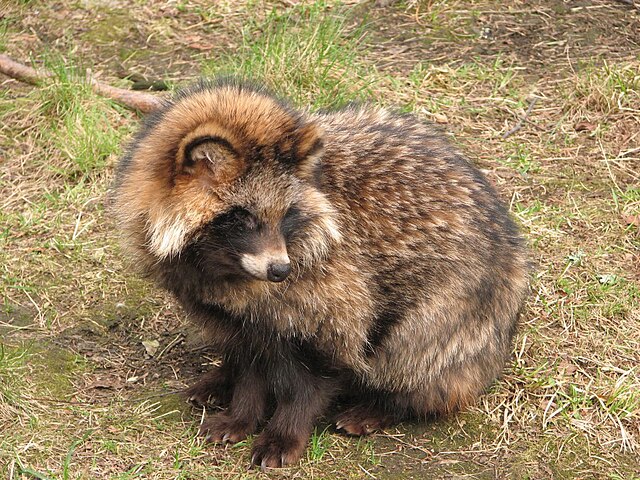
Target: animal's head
229	175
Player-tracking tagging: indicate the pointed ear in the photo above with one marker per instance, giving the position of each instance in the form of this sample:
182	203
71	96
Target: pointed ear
309	140
212	156
309	147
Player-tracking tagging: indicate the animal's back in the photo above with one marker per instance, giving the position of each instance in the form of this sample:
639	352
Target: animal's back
445	263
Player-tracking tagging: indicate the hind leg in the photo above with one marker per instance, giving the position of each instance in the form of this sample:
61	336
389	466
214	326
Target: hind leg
454	389
373	410
364	418
369	410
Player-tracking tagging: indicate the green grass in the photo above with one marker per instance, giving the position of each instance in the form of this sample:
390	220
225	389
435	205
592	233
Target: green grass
12	368
65	467
78	122
4	25
309	53
368	449
319	444
475	88
69	120
606	88
72	130
521	160
87	138
498	76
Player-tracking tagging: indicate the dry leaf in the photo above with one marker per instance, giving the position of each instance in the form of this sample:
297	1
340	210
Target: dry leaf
631	220
545	404
440	118
151	346
201	46
584	127
104	382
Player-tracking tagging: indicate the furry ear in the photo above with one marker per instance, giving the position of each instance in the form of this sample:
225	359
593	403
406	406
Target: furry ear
309	147
210	154
203	150
309	140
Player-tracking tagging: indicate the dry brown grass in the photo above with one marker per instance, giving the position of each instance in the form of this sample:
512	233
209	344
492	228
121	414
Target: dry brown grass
80	396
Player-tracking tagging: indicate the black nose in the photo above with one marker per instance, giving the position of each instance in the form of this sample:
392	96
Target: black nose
277	272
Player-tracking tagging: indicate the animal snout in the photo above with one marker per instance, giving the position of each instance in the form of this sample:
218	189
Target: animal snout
277	272
269	266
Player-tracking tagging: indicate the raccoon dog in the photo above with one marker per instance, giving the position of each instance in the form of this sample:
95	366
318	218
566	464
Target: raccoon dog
350	258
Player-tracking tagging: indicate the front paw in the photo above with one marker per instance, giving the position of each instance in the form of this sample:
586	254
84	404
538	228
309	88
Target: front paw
271	450
212	389
199	397
224	428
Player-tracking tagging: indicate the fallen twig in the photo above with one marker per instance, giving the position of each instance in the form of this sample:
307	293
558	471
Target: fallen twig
522	120
171	344
21	72
143	102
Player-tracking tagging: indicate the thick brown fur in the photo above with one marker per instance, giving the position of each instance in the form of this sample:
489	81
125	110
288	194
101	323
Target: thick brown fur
404	273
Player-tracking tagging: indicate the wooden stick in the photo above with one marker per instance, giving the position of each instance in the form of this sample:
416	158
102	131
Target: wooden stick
522	120
144	102
21	72
141	101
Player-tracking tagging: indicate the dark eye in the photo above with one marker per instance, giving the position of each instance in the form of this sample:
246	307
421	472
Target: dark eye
293	221
238	218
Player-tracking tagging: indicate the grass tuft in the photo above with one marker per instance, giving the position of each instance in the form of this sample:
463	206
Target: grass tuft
78	122
308	53
12	368
607	89
319	444
4	25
